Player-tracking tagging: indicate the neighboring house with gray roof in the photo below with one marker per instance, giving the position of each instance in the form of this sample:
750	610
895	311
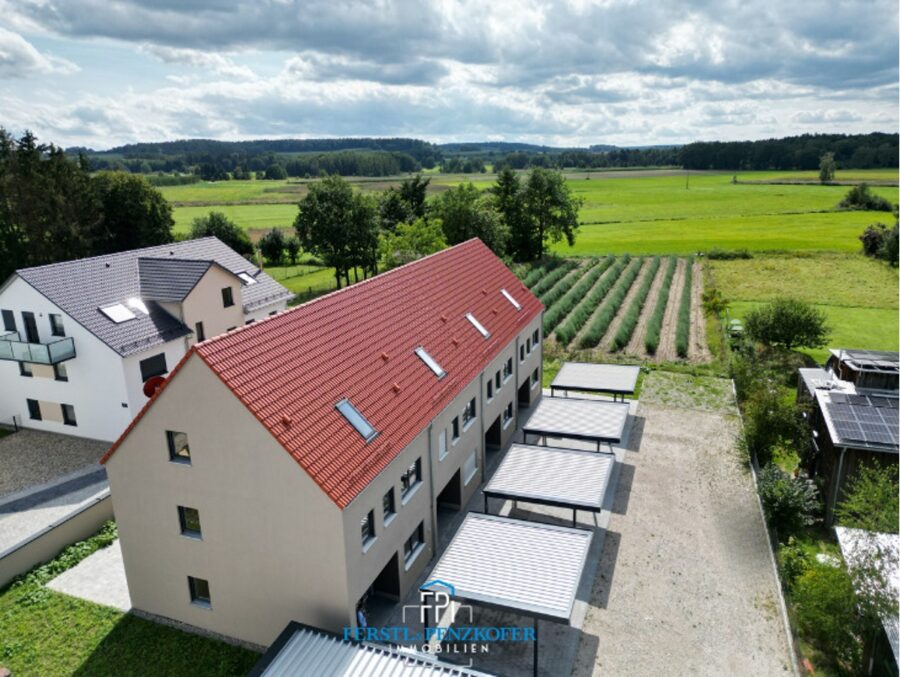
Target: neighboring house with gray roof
79	339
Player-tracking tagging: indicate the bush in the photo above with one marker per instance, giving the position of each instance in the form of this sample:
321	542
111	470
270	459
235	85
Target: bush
771	419
272	246
683	328
880	243
794	561
789	503
871	500
728	254
218	225
787	323
654	327
825	604
861	198
633	314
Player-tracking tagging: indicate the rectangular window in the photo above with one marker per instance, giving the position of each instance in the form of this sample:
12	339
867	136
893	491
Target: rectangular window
199	591
227	297
454	425
528	345
508	296
469	413
430	362
521	353
153	366
9	320
507	369
199	332
535	377
497	383
367	527
480	327
179	450
411	478
507	414
388	505
356	419
442	444
536	338
60	372
189	519
118	313
414	543
470	467
56	325
490	390
68	414
34	410
25	369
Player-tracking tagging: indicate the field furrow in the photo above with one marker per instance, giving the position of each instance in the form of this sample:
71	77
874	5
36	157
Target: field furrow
609	281
607	343
698	350
636	344
666	350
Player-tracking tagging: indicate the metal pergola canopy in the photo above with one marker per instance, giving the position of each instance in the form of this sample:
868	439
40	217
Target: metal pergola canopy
514	565
596	378
590	420
566	478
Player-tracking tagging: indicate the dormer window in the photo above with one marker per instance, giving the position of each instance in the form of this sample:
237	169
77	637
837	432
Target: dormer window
480	327
356	419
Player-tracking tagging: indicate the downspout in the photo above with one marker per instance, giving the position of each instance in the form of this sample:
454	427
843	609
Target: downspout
837	485
481	443
431	503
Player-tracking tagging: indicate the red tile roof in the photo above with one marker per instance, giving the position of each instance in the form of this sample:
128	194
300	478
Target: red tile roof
292	369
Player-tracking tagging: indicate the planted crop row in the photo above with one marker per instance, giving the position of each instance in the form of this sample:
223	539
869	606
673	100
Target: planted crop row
598	326
560	289
633	313
651	338
560	310
551	278
683	330
576	319
538	272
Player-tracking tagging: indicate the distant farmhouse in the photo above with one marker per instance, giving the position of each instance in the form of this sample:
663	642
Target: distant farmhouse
81	339
294	468
853	416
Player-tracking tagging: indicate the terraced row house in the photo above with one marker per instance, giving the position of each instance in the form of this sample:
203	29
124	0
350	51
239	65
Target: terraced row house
290	469
80	339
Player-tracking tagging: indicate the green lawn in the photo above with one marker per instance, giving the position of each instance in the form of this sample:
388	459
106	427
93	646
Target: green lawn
250	217
313	279
43	632
812	175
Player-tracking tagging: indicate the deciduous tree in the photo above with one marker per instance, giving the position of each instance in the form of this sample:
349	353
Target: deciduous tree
466	213
134	213
218	225
549	203
272	246
411	241
787	323
826	168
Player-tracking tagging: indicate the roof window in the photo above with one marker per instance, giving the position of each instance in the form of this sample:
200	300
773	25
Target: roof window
516	304
430	362
480	327
247	278
117	313
357	420
136	304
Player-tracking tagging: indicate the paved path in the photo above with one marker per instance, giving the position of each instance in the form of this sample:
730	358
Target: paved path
98	578
32	457
685	586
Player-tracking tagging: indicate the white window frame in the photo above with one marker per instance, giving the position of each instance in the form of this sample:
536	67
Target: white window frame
430	362
478	326
470	473
508	296
443	449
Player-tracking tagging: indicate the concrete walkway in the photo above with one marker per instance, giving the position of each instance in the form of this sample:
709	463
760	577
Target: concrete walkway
99	578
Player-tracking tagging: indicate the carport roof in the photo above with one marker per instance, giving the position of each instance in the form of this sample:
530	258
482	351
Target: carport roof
578	419
304	650
599	378
511	564
553	476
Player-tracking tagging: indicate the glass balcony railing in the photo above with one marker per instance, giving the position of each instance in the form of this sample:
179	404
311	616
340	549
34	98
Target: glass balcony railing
11	348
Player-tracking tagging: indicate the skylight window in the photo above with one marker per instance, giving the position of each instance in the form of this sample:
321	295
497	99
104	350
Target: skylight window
247	278
480	327
117	313
430	362
136	304
516	304
357	420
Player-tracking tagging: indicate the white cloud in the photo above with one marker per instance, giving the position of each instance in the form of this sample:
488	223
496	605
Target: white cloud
20	59
213	61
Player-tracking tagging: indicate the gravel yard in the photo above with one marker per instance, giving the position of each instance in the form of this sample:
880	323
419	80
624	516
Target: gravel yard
685	585
31	457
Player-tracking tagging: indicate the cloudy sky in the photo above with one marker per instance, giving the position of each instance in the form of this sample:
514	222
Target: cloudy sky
105	72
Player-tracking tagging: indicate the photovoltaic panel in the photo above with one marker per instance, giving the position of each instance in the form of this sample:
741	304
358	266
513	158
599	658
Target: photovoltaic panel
856	419
838	398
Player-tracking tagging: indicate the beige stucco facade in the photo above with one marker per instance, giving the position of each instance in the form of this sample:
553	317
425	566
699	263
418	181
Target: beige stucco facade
204	304
274	547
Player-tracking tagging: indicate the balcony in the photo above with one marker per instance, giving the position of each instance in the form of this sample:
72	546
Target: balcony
59	350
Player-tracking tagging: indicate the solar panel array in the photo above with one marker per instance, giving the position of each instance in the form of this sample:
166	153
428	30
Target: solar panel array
863	418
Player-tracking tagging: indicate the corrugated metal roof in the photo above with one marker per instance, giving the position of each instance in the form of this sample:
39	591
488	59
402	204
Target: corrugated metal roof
81	287
611	378
521	566
169	280
856	543
582	419
309	652
568	476
358	344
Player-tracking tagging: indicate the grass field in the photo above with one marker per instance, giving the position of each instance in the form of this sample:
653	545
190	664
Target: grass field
858	295
249	217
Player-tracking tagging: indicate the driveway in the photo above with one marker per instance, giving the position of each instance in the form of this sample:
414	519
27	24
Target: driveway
685	584
32	457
